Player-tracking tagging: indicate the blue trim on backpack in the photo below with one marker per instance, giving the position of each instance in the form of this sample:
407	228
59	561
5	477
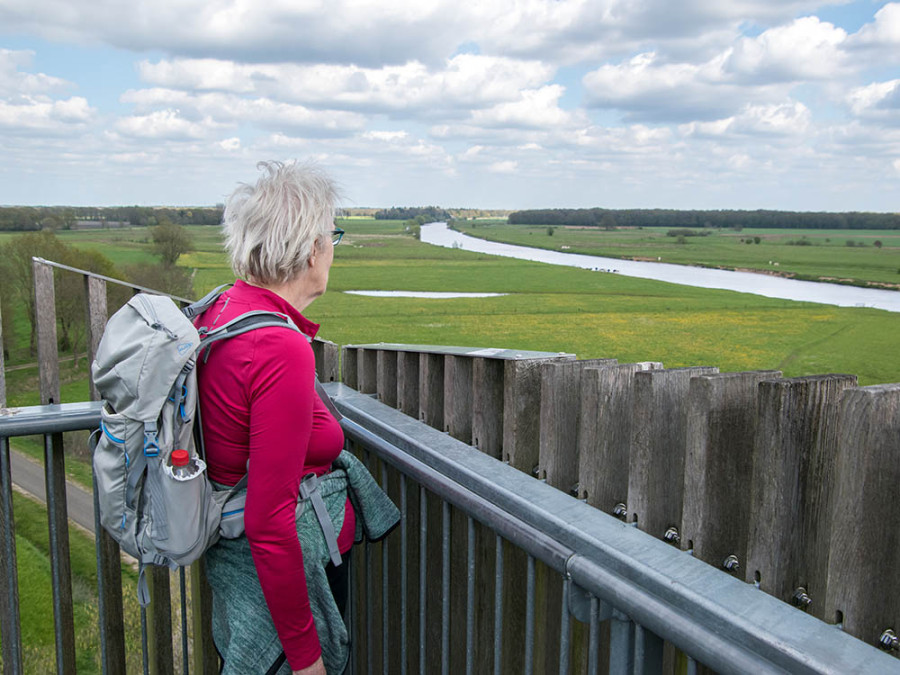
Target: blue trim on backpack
106	433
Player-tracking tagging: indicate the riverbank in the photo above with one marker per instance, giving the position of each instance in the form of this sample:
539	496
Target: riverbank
861	258
570	251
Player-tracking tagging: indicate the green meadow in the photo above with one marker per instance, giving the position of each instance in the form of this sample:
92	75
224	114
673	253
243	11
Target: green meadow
849	256
546	308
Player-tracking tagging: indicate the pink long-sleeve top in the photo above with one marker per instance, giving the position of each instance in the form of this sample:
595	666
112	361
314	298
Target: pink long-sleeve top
258	403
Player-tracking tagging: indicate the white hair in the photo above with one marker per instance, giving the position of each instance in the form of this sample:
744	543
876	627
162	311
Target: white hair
271	227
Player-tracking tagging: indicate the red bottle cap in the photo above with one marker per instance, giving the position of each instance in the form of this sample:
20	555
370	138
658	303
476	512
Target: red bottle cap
180	458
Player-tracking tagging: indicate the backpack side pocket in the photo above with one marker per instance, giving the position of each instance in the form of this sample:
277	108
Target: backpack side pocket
117	442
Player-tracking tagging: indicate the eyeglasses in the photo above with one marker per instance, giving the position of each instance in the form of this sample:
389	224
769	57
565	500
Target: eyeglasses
336	235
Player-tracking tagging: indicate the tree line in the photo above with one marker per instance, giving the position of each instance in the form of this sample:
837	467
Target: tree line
34	218
429	213
169	242
671	218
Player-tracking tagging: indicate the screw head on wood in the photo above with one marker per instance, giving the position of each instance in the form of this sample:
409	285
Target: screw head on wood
801	599
672	535
620	510
889	640
731	563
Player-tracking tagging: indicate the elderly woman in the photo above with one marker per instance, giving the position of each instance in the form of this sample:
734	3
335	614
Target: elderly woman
262	417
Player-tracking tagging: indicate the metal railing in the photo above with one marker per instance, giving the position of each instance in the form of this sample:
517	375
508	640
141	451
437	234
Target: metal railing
647	590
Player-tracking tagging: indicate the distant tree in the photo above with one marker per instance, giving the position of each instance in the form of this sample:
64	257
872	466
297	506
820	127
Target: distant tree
170	241
172	280
877	243
16	269
550	231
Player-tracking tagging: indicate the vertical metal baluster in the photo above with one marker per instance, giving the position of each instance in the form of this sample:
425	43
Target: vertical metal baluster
384	586
144	647
691	666
564	630
639	654
184	622
370	643
423	549
529	619
470	597
445	590
498	607
594	640
354	616
403	574
9	622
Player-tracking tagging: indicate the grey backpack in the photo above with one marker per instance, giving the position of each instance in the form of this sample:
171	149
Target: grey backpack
145	372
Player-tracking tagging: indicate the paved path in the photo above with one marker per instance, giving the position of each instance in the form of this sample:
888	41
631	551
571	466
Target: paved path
28	475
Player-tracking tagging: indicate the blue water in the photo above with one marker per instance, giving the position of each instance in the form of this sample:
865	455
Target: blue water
744	282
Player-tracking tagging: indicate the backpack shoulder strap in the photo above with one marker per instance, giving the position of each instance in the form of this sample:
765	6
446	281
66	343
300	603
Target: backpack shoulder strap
197	308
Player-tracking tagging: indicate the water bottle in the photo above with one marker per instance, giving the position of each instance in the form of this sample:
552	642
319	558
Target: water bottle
183	465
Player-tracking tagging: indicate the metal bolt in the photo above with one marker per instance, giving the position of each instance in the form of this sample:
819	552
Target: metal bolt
536	470
731	563
620	510
574	489
801	599
889	640
672	535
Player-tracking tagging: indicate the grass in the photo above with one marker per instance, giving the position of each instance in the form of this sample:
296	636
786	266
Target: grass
805	254
36	599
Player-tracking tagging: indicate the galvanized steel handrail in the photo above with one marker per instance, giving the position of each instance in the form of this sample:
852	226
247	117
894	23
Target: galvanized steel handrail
718	620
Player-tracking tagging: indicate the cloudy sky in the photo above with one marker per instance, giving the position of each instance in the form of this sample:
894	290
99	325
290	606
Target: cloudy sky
786	104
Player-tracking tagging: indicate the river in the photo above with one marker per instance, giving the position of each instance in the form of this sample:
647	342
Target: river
744	282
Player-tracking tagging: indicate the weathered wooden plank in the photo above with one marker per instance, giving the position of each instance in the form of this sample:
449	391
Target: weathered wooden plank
349	367
458	391
45	315
367	370
865	531
431	390
386	385
721	427
204	655
791	491
2	366
865	540
159	622
604	434
55	471
656	464
327	355
521	412
559	420
408	383
487	402
95	292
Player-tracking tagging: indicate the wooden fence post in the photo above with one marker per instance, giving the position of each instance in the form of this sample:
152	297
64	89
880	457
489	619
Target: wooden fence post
793	476
458	397
349	367
386	385
521	412
327	356
721	427
487	403
2	366
367	370
604	433
408	383
431	390
54	467
865	546
656	465
559	419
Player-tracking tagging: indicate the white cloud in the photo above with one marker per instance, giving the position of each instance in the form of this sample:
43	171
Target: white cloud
14	82
806	49
536	108
44	115
507	166
786	119
466	80
163	125
884	31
